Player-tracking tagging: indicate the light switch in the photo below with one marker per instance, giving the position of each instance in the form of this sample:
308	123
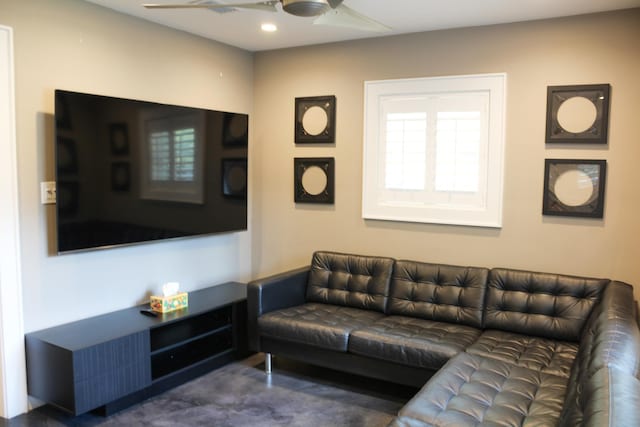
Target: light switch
48	192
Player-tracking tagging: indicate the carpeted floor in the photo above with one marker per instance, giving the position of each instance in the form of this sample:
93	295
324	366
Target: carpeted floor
240	394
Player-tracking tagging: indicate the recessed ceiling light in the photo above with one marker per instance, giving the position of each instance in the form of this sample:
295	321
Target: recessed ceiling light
269	28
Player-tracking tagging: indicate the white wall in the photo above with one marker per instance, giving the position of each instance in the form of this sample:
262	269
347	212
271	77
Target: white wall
79	46
601	48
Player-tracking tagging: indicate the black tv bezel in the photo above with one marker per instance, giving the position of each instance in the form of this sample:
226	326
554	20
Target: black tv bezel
62	120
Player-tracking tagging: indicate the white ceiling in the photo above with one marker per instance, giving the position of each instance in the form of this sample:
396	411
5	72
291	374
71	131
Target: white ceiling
241	28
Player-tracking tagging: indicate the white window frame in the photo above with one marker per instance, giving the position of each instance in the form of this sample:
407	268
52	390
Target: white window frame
486	211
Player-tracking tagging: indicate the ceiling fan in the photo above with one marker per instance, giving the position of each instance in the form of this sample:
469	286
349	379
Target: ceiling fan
328	12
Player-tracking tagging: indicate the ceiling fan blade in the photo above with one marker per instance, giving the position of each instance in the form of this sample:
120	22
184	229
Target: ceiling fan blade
269	6
334	3
343	16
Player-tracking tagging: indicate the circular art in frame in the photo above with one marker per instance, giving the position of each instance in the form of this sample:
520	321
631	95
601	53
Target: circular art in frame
234	178
314	180
578	114
315	119
574	187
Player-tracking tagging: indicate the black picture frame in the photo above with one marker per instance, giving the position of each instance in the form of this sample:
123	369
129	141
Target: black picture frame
323	136
119	139
235	130
597	132
589	176
120	176
66	156
301	165
234	178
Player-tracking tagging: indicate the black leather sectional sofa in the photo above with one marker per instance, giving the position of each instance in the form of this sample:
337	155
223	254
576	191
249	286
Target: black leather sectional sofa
495	347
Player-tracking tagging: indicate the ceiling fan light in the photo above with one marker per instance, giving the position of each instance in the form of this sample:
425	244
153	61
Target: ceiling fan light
306	7
268	27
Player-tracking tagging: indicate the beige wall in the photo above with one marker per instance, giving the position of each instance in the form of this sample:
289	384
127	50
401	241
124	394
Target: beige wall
579	50
75	45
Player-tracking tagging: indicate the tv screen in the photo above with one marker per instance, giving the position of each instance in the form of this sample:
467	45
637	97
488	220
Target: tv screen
131	171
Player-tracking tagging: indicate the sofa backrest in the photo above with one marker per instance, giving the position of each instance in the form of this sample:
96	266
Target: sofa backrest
609	353
542	304
438	292
350	280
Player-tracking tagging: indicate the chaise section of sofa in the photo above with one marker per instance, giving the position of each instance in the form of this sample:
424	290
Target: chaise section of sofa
511	379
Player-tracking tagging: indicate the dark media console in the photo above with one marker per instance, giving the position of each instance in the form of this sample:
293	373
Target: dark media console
111	361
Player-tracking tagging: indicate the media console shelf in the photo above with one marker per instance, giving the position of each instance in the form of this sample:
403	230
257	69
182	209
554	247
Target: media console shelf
111	361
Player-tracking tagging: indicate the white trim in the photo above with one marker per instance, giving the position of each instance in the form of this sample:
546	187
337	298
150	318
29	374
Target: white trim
484	207
13	384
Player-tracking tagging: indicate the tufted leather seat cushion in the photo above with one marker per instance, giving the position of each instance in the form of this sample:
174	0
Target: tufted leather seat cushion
350	280
407	422
412	341
438	292
546	355
473	390
547	305
321	325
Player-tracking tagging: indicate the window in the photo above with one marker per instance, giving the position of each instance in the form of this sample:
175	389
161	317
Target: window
173	154
433	150
173	157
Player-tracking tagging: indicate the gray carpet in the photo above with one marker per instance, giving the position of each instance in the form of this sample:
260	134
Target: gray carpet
240	394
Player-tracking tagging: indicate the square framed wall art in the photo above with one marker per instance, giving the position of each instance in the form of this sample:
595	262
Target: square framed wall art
574	187
119	139
314	180
578	114
315	120
234	177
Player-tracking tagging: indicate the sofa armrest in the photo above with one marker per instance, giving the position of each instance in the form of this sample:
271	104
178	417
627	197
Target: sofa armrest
272	293
615	399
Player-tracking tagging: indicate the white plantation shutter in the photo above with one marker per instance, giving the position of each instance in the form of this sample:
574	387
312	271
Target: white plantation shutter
434	149
458	144
184	154
160	145
406	139
173	157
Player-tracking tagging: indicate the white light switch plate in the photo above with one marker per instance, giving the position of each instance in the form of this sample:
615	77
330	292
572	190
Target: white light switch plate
48	192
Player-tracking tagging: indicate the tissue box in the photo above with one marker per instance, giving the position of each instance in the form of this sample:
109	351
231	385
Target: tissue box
172	303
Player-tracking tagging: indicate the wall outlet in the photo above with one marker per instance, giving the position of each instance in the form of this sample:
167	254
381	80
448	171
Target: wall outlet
48	192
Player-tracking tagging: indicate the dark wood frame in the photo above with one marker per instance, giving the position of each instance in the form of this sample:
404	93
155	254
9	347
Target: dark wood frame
114	130
300	165
598	94
552	205
227	166
118	168
228	138
328	104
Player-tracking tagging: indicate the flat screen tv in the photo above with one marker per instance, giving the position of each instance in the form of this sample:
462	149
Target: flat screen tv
131	171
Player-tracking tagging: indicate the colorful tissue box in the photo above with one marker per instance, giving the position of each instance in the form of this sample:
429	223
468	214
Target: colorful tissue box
172	303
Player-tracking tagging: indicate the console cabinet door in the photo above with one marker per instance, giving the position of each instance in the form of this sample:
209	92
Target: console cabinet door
83	379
